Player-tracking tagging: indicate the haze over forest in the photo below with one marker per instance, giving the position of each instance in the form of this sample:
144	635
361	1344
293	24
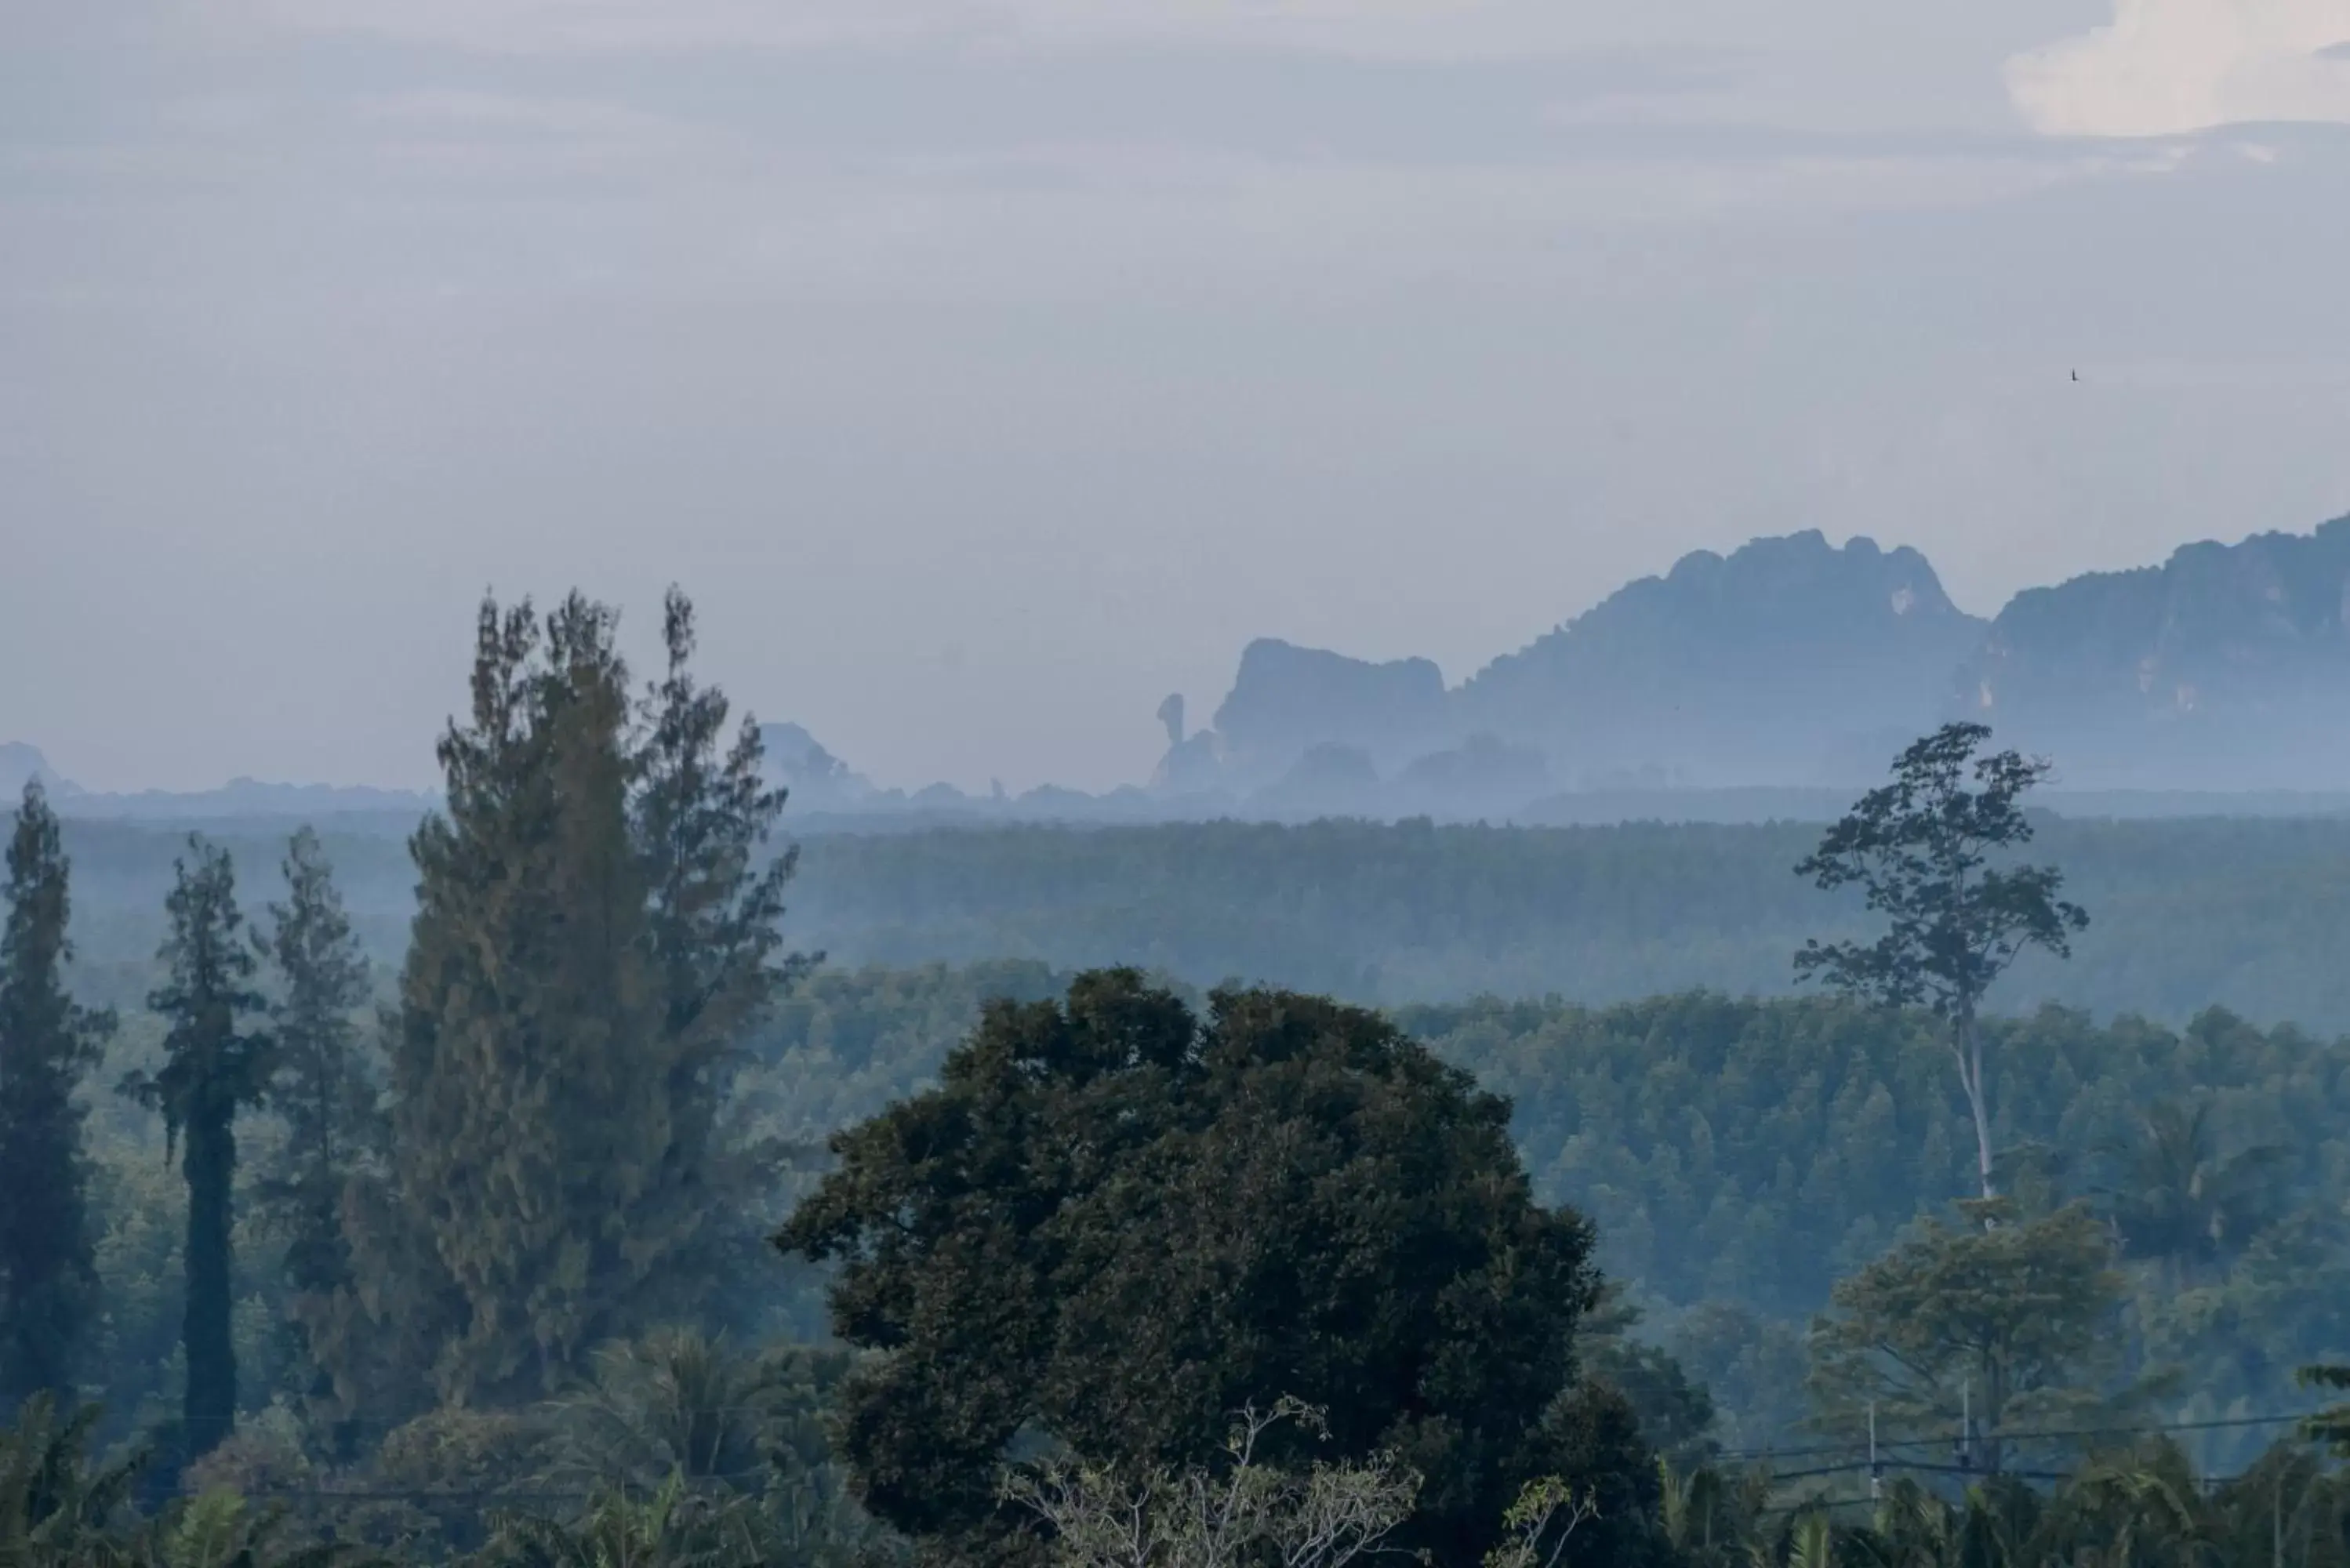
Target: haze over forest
1174	784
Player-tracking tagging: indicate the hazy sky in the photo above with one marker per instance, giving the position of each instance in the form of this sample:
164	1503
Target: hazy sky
989	368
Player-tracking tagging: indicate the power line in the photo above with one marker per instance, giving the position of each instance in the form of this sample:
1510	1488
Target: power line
1856	1445
1856	1466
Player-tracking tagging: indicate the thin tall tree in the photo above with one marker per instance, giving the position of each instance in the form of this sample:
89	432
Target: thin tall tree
48	1275
702	816
322	1086
1925	849
215	1066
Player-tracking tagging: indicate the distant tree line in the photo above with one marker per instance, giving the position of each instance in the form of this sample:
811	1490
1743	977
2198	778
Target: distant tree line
2190	913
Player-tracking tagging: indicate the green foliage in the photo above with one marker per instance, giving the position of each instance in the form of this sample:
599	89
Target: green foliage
676	1444
530	1122
674	1526
845	1042
2181	1204
222	1530
2010	1321
702	819
1110	1225
1738	1157
1675	1414
681	1403
1922	850
49	1269
450	1469
1753	1368
593	934
56	1505
678	1410
1708	1517
214	1068
323	1093
2190	913
60	1508
2129	1508
2331	1426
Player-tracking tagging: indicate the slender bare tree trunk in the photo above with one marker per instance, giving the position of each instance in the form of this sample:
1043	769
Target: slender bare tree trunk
1967	1046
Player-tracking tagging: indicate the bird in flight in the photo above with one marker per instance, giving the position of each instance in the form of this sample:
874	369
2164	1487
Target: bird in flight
2076	375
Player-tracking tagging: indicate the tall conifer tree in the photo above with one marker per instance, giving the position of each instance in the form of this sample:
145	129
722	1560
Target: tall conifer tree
704	814
529	1113
322	1087
49	1276
595	928
215	1066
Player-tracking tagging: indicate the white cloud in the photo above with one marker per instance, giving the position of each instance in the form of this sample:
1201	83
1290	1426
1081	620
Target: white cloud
2168	67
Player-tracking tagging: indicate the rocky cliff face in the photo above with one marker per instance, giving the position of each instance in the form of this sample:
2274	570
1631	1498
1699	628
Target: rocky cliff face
1788	662
2227	666
1791	662
1287	700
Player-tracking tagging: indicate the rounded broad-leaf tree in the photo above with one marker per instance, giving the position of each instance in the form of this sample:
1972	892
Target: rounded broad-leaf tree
1113	1223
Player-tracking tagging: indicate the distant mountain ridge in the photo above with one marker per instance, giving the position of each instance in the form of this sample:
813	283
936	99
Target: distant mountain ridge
240	797
1771	682
1701	674
2227	666
1793	664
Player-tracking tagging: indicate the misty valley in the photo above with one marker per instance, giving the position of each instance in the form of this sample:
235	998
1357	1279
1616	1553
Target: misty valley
610	1160
1174	784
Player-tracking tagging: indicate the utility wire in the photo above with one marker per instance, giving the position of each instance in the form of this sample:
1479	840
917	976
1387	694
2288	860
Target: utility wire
1855	1444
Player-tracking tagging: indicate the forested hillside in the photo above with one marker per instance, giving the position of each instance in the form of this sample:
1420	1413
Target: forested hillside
2244	914
1739	1157
1736	1157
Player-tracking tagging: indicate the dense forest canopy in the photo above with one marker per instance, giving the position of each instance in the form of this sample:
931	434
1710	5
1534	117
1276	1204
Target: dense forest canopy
1736	1160
1739	1157
2190	913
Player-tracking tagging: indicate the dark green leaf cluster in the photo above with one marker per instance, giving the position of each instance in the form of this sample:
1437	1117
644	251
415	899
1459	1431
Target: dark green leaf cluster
1112	1223
1924	851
